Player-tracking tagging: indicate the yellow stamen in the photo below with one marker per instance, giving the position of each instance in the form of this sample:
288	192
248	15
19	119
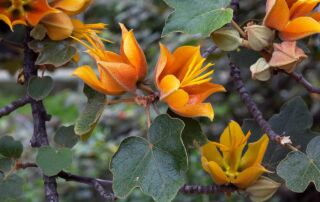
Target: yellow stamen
193	75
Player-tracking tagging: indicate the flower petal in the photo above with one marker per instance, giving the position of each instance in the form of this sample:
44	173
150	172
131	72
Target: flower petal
199	93
39	9
248	176
255	152
89	77
59	26
277	14
299	28
72	7
165	59
195	110
125	75
168	85
178	98
211	153
302	8
6	20
216	172
133	52
233	136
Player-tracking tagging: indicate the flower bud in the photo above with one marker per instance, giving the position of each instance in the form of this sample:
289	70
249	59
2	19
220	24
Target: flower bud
259	36
227	39
287	56
263	189
261	70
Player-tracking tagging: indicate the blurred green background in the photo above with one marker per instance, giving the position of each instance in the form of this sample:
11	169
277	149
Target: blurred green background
147	18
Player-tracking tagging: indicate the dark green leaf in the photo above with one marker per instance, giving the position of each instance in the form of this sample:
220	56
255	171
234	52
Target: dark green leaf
56	53
192	134
66	137
10	148
5	164
39	88
294	120
197	17
11	188
51	160
299	169
88	119
156	166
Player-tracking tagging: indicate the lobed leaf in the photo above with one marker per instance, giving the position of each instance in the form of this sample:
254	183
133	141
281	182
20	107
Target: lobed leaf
66	137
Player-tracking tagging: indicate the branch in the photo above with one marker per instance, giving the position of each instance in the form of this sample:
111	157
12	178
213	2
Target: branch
40	116
254	110
301	80
210	189
6	110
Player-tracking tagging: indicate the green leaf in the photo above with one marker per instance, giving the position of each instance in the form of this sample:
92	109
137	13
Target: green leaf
89	118
156	166
51	160
39	88
299	169
66	137
10	148
11	188
38	32
5	164
192	134
56	53
294	120
197	17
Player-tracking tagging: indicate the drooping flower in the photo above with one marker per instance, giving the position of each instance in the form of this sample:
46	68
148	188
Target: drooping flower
118	73
26	12
60	25
226	164
294	19
184	81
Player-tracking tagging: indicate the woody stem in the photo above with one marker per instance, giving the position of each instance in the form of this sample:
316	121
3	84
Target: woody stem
238	28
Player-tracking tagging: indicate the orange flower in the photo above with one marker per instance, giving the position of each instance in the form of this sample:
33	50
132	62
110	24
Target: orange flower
24	12
184	83
60	25
118	73
293	18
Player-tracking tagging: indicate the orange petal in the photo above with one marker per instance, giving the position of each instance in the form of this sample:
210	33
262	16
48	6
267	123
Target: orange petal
291	2
248	176
255	152
211	153
233	136
277	15
59	26
195	110
199	93
216	172
112	57
125	75
72	7
315	16
133	52
89	77
302	8
39	9
164	60
299	28
6	20
168	85
178	98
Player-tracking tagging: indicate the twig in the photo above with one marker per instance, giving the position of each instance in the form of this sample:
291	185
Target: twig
301	80
254	110
210	189
40	116
123	100
238	28
6	110
209	51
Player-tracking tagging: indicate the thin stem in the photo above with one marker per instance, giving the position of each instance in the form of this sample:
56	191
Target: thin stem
6	110
210	189
145	88
123	100
238	28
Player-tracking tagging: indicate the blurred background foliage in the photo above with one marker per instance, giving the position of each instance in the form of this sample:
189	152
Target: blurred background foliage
147	18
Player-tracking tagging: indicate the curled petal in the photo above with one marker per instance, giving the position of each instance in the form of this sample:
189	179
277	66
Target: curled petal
299	28
199	93
277	14
233	136
165	59
39	9
195	110
211	153
177	99
255	152
133	52
302	8
216	172
248	176
6	20
72	7
124	74
168	85
59	26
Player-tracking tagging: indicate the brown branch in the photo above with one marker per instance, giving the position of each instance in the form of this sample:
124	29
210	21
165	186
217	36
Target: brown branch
254	110
40	116
301	80
6	110
210	189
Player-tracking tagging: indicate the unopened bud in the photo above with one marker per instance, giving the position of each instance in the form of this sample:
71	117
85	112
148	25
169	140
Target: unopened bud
261	70
263	189
259	37
227	39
